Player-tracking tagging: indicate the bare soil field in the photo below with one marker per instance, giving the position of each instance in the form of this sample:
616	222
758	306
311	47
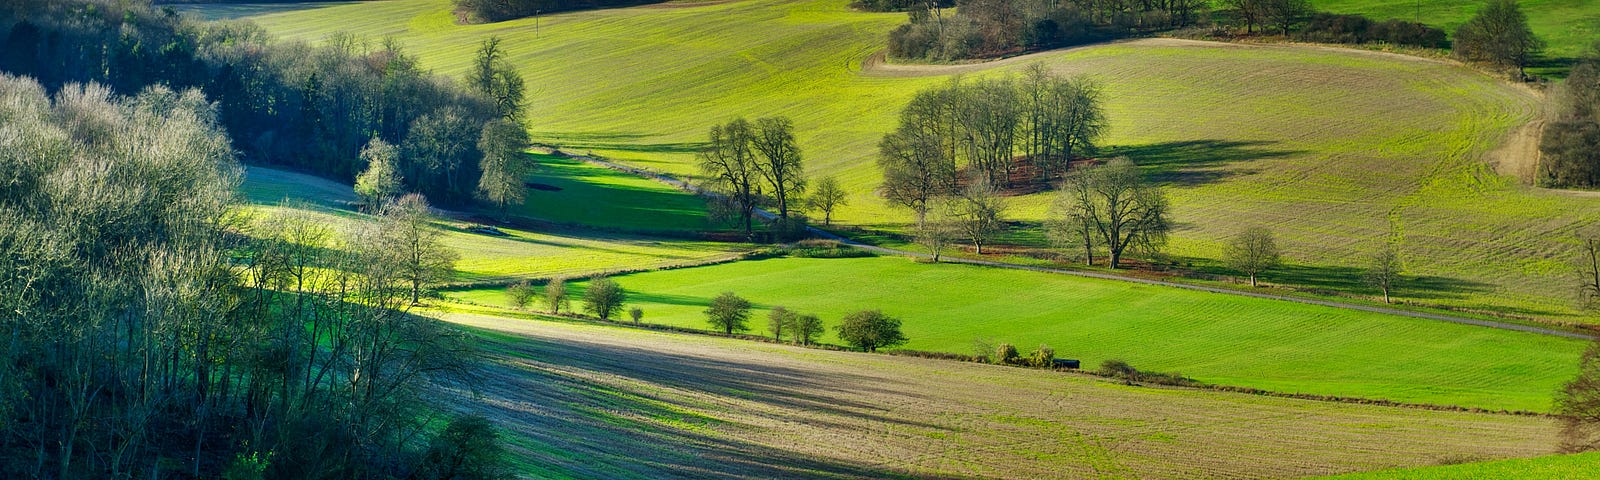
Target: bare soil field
580	400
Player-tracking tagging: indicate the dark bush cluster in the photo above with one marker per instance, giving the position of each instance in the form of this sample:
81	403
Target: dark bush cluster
500	10
1357	29
988	28
1122	370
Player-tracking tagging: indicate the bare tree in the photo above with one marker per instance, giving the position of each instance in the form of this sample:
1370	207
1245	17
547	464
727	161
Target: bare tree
731	166
555	295
780	163
940	227
503	166
806	329
826	198
982	212
1384	269
1252	252
1112	204
409	239
1588	269
603	297
779	321
1498	34
915	170
1578	405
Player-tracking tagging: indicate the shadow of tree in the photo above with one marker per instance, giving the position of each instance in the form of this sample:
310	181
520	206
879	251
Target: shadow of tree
1191	163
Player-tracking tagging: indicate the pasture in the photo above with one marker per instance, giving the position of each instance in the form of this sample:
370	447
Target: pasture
1568	26
1555	467
570	191
521	254
584	401
1336	150
1222	339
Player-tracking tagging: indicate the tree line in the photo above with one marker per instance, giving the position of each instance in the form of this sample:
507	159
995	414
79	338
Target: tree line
987	28
155	330
309	108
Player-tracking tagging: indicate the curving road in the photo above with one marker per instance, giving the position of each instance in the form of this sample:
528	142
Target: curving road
686	186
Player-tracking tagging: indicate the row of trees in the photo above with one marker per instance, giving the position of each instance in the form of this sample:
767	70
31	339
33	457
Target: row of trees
985	28
289	103
981	127
498	10
868	330
748	165
153	331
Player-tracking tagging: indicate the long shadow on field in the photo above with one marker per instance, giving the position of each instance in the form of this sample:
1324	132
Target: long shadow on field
1334	279
1191	163
593	410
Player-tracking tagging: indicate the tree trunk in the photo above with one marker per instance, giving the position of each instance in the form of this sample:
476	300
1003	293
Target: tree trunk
1252	280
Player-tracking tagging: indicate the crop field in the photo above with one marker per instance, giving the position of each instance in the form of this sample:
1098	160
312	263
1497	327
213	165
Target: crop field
587	401
1222	339
1568	26
521	254
1557	467
1336	150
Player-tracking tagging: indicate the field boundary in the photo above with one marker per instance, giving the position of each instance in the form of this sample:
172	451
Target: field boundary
686	186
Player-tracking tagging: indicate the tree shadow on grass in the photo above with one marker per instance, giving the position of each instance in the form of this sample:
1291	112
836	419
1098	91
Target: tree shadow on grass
1192	163
540	392
1352	280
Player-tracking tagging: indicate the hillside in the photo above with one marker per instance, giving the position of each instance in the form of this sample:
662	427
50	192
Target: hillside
1568	26
1336	150
586	401
1556	467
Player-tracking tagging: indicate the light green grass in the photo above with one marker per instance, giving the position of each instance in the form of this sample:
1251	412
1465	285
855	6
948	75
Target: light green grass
1223	339
1569	26
1335	150
487	259
1558	467
598	196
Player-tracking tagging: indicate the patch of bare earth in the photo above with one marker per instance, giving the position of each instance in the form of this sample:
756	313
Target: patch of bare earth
602	402
1518	156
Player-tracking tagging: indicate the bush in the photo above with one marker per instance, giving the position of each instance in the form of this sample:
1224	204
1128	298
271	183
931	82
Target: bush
520	295
871	330
1356	29
1122	370
468	449
1043	357
1006	354
1118	369
636	314
603	298
785	230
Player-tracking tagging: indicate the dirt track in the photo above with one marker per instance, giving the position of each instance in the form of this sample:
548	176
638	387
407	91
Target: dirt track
593	401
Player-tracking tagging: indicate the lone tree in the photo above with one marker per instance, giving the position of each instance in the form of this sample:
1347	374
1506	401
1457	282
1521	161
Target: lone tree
555	295
779	161
1287	13
1498	35
636	313
1588	268
381	180
916	169
729	313
826	198
1578	405
981	213
1111	206
603	298
1384	269
407	235
520	294
1253	252
503	165
870	330
779	321
732	169
806	329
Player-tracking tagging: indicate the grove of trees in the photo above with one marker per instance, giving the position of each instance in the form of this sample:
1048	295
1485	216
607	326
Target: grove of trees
1498	35
154	331
986	28
1112	208
748	165
309	108
1569	158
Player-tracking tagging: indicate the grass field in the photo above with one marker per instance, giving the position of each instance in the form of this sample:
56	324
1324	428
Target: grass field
576	192
1223	339
522	254
1569	26
1559	467
1336	150
585	401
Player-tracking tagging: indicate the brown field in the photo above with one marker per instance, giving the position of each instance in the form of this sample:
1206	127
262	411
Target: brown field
583	400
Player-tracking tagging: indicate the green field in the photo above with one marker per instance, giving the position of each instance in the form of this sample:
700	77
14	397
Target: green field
1223	339
522	254
1334	149
576	192
1559	467
1569	26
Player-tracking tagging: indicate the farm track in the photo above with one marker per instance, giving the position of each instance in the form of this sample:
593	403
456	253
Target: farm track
684	185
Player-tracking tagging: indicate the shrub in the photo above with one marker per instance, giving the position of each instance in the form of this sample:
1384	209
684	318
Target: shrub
785	230
603	298
468	449
1118	369
636	314
1006	354
728	313
1043	357
871	330
520	295
555	295
1355	29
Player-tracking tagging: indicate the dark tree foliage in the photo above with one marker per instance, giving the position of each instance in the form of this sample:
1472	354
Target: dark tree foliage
870	330
499	10
153	333
987	28
1570	158
1355	29
286	103
1498	35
